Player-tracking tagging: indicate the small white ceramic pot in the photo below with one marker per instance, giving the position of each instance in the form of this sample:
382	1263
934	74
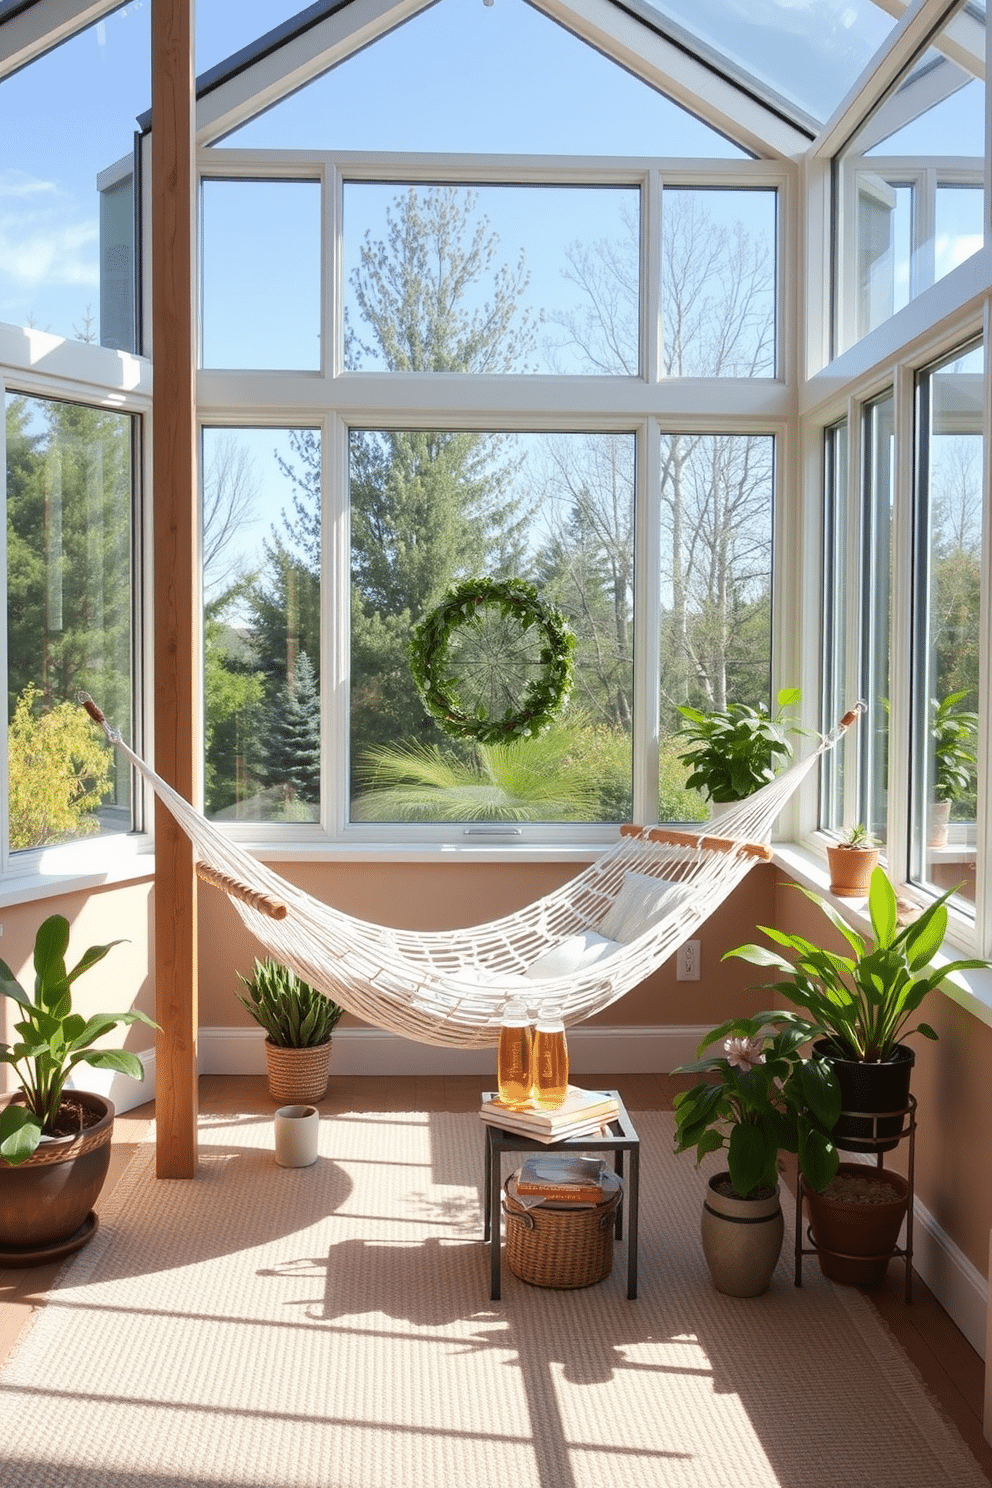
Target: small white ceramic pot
296	1136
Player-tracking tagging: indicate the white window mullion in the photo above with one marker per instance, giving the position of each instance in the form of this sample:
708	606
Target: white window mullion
647	622
901	624
335	622
652	322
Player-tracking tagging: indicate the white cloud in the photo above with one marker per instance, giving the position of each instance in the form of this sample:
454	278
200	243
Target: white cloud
44	236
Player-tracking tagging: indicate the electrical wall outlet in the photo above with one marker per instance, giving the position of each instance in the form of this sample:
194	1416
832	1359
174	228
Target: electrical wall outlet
687	962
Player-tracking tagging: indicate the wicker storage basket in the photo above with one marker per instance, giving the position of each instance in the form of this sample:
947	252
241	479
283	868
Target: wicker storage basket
297	1076
559	1248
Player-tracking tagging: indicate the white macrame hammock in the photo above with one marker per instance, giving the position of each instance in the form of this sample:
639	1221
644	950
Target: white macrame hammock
581	947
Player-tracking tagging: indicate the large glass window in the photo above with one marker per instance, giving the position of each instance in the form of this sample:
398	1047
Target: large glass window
718	282
491	279
261	533
947	768
870	801
514	82
66	197
857	619
260	291
910	183
430	508
715	570
68	618
840	678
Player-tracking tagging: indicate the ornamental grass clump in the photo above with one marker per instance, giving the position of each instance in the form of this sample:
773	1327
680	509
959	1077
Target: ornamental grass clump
293	1014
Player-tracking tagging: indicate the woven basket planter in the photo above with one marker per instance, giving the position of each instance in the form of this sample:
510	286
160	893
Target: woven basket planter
298	1076
560	1248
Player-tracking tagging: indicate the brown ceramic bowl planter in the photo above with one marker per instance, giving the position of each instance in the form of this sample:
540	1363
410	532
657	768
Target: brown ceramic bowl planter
46	1202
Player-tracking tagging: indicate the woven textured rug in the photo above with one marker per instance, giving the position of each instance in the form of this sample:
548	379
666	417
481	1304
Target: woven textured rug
331	1327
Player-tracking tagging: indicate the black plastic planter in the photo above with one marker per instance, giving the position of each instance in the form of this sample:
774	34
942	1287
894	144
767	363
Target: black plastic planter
874	1098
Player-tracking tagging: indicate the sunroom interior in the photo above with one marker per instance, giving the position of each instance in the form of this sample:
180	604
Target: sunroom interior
283	355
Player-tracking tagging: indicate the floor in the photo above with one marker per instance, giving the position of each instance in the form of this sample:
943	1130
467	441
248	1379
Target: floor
951	1369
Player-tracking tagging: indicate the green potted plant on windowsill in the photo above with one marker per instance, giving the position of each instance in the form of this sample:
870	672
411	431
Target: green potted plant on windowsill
55	1141
954	731
757	1099
298	1022
852	862
732	751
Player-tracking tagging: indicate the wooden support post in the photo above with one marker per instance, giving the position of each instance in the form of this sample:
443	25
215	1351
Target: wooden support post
176	586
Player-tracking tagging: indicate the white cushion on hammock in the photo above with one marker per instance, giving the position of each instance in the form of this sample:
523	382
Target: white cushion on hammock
641	900
574	953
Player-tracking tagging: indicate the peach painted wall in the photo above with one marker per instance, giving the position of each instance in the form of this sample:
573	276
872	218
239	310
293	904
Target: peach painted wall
97	916
446	896
954	1104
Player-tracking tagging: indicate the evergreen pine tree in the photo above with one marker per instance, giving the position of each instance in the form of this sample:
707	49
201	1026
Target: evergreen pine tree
291	744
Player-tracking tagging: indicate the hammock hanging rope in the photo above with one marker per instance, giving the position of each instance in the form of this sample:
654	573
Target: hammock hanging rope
583	946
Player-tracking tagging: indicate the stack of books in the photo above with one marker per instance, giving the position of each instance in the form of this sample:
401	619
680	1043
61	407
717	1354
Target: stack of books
583	1113
563	1181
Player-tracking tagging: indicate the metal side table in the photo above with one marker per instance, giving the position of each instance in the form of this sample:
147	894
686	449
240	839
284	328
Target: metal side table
620	1139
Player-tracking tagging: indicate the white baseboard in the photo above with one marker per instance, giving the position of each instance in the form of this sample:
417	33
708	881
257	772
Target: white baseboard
959	1287
372	1051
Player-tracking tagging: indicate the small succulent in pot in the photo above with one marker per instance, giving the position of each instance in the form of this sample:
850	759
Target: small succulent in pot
53	1040
765	1099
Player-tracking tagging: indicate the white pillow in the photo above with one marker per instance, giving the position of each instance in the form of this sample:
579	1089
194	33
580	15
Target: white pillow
576	952
641	901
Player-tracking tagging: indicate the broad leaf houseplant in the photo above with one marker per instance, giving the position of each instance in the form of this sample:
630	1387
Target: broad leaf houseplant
859	1008
47	1130
732	751
757	1099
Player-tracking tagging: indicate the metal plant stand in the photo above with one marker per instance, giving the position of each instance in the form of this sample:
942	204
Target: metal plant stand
908	1133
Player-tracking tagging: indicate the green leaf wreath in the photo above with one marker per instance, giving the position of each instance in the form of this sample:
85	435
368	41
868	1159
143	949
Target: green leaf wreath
493	661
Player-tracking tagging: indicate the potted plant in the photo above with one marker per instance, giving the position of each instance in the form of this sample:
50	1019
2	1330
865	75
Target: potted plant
852	862
734	750
298	1022
954	730
55	1142
757	1099
858	1008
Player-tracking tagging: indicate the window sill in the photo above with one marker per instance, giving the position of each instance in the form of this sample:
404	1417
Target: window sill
77	867
972	990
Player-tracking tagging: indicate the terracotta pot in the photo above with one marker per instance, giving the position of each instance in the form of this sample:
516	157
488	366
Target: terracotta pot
872	1091
742	1238
856	1240
46	1199
298	1077
851	869
938	821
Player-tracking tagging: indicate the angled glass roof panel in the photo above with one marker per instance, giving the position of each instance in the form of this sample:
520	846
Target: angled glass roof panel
223	29
492	79
803	53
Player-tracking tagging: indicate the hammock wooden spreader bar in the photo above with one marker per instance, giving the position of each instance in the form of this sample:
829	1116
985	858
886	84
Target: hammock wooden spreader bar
759	850
235	889
582	946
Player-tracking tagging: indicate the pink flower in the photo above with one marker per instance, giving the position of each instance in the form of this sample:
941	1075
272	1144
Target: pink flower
744	1053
